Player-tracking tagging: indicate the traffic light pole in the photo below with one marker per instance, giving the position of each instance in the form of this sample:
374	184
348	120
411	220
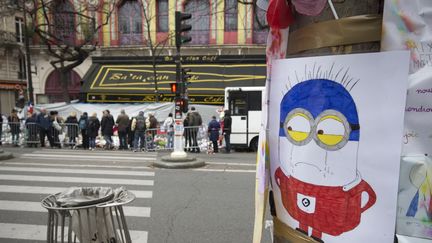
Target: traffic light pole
178	152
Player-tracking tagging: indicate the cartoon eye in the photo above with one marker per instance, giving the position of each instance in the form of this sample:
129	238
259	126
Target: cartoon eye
332	131
298	127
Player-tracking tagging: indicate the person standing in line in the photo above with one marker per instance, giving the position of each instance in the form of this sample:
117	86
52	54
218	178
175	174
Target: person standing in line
187	132
196	123
107	124
45	125
139	127
122	124
72	129
56	129
1	128
227	121
153	124
14	125
169	128
32	130
213	130
131	134
93	130
83	126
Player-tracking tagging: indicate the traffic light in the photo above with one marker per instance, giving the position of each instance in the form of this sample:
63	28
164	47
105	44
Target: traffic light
181	106
175	89
181	27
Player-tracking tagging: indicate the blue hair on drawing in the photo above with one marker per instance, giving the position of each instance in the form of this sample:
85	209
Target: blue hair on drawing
318	95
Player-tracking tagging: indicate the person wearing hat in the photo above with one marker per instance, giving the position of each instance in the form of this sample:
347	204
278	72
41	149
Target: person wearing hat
14	125
93	130
213	130
195	122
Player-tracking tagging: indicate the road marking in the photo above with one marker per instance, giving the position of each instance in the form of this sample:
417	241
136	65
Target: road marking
53	190
223	170
97	160
225	163
96	152
78	165
77	180
79	171
26	206
39	232
88	157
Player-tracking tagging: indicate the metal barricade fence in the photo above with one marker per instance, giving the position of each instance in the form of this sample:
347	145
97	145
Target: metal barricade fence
196	138
31	134
71	133
12	133
156	139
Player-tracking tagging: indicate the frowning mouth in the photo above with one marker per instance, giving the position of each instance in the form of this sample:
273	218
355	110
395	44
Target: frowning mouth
299	164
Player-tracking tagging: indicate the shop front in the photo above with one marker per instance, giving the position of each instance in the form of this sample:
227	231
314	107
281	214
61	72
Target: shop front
133	80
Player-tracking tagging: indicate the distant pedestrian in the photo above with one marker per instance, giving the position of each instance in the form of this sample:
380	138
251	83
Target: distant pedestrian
45	124
227	122
195	123
139	127
1	129
188	132
122	124
213	130
107	124
83	126
32	130
72	129
93	130
57	123
14	125
169	128
151	126
131	134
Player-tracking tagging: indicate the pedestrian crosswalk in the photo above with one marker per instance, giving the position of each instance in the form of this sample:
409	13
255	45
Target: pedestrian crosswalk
31	176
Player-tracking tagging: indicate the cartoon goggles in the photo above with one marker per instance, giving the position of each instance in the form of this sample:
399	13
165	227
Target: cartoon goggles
330	129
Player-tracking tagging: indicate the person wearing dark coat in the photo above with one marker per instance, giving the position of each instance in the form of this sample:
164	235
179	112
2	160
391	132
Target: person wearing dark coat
32	130
72	129
1	128
83	126
107	124
227	130
93	130
14	125
122	124
213	130
44	123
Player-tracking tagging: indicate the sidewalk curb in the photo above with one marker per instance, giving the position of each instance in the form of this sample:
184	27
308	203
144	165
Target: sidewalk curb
174	163
5	155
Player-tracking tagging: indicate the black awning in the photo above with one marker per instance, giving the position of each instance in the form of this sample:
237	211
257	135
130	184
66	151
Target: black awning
132	80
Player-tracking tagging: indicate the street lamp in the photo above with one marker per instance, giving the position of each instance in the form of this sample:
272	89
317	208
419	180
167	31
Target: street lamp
28	5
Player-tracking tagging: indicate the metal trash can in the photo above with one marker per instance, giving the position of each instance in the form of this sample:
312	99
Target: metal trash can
88	215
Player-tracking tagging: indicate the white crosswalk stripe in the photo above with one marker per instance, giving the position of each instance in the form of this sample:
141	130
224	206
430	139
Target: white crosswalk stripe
24	181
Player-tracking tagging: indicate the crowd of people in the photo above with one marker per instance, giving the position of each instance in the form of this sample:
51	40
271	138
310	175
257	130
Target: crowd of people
132	131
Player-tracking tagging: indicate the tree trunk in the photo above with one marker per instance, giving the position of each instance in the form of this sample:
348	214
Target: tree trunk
155	80
65	80
344	8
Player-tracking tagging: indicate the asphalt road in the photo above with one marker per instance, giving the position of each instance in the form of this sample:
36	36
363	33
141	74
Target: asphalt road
211	204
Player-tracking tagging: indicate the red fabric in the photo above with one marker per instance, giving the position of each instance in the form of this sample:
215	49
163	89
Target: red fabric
279	15
336	211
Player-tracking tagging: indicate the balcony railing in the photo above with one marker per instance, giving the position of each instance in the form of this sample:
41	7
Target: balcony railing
7	38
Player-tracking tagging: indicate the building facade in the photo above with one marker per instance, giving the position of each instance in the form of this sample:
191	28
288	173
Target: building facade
140	28
12	59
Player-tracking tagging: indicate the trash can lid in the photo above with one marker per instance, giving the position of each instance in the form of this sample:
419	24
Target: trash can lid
83	196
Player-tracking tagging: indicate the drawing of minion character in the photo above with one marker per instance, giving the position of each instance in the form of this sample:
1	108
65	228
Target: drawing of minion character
319	135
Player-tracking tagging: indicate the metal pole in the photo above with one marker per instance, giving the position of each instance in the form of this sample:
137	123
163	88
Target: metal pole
178	126
27	49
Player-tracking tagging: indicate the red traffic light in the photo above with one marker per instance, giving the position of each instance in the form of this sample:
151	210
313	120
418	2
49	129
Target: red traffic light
174	87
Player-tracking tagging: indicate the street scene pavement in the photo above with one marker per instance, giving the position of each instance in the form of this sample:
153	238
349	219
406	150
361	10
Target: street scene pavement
214	203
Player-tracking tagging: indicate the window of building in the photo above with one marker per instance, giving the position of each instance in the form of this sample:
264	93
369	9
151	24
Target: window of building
22	74
130	22
64	22
162	15
231	11
19	29
200	22
260	29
